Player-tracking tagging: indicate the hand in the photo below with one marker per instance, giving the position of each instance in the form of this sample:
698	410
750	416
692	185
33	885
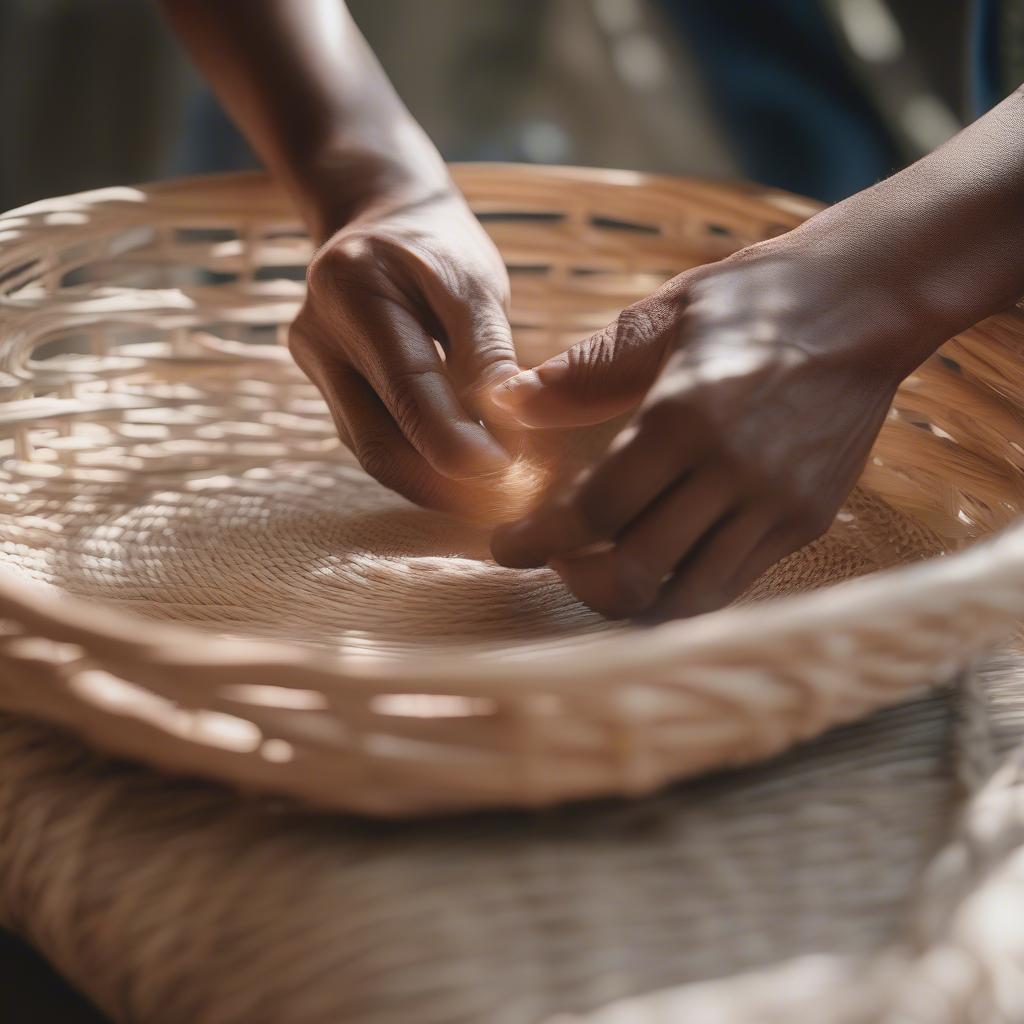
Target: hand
762	381
402	274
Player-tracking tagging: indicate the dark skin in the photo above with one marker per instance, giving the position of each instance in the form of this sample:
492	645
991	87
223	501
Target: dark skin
757	384
762	381
401	259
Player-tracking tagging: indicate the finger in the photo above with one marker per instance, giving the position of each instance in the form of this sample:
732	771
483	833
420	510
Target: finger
775	546
705	579
593	381
402	363
312	364
627	579
646	459
381	448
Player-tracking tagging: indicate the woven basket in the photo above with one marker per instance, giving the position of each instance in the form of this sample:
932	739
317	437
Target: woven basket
198	575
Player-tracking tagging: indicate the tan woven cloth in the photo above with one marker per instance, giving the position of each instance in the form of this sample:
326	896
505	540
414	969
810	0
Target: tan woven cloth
179	903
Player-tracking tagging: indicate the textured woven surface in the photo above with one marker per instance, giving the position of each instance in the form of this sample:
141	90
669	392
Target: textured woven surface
160	456
179	903
497	919
161	461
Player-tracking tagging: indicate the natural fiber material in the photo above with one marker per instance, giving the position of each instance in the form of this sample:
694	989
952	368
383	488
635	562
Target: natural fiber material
783	894
958	957
164	463
164	459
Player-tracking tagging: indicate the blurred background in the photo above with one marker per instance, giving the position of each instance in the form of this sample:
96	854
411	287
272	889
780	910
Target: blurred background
818	96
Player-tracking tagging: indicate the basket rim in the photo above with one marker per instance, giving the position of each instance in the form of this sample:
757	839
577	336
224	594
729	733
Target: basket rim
462	171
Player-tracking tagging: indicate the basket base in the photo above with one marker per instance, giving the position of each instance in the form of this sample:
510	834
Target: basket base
321	555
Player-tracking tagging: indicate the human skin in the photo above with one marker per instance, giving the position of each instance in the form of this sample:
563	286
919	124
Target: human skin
758	383
400	260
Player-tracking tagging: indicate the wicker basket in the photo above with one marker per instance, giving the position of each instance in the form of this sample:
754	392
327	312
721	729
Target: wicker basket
197	574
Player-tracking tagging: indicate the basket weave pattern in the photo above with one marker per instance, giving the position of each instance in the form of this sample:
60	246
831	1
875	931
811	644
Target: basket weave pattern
163	459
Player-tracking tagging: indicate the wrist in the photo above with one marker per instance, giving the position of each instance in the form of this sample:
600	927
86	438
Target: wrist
837	303
343	181
883	286
943	255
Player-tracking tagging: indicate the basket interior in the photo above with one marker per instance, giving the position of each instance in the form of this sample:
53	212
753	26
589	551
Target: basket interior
161	453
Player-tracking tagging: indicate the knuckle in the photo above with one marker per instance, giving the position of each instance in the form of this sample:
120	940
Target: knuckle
329	263
633	328
487	281
593	356
403	401
596	364
352	259
374	456
492	333
492	343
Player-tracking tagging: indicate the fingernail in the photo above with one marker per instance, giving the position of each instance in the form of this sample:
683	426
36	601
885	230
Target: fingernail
513	392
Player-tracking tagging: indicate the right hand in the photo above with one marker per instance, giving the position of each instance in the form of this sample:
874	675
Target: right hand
403	274
760	383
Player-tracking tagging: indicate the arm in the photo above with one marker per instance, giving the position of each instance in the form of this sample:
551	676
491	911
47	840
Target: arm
304	88
942	239
762	381
402	261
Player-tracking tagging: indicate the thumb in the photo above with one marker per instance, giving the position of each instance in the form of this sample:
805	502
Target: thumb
593	381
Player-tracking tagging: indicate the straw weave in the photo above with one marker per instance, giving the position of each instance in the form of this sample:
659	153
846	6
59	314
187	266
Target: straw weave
198	576
786	894
163	458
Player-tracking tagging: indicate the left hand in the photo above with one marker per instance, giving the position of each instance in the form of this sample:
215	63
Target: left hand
769	377
414	266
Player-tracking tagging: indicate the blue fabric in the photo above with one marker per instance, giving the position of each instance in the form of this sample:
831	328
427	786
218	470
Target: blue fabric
791	109
986	88
793	113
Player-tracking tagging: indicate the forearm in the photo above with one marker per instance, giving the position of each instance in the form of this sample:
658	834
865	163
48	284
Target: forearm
943	240
306	90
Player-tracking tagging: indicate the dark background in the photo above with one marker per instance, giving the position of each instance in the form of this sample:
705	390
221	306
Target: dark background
807	94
